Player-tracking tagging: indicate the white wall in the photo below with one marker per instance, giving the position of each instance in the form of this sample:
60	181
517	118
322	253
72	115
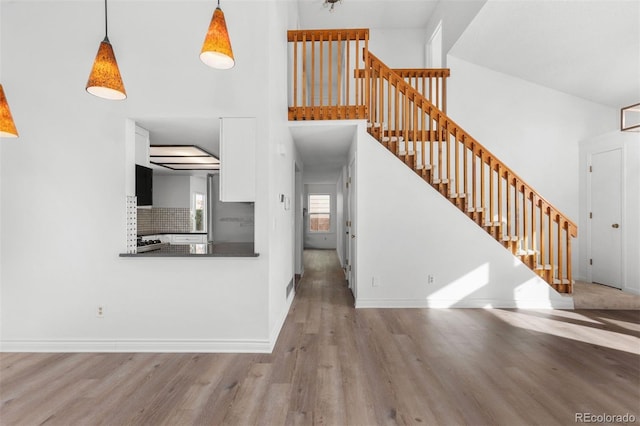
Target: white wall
385	43
70	160
407	231
320	240
280	153
455	17
629	142
171	191
532	129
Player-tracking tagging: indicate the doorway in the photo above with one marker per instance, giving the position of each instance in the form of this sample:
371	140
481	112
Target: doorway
605	214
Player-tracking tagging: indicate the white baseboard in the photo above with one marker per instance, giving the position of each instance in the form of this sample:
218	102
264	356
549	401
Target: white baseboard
565	303
164	346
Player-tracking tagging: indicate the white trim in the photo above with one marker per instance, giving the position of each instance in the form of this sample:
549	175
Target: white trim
143	345
566	302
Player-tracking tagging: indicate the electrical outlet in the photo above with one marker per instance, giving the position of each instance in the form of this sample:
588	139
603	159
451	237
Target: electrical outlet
375	282
431	279
100	311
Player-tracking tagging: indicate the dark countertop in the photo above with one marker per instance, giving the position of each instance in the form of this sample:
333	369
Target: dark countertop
144	234
200	250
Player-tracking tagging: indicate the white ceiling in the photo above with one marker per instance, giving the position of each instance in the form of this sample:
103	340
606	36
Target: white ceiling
323	147
589	49
389	14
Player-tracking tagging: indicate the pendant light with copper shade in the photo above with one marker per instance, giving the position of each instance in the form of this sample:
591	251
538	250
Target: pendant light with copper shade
216	50
105	80
7	126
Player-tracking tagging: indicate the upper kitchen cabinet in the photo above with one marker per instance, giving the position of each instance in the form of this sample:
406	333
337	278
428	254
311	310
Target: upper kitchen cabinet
237	159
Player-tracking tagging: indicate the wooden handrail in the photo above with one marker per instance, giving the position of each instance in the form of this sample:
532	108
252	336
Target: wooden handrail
471	176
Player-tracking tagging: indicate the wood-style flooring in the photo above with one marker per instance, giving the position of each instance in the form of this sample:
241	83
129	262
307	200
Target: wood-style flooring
335	365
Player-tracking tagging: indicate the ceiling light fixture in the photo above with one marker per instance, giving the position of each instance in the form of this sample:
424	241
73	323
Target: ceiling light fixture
332	3
216	50
7	126
105	80
183	157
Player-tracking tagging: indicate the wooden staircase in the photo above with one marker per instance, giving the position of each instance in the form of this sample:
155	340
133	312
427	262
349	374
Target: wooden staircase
405	111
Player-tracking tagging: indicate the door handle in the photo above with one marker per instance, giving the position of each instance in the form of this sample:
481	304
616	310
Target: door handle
615	225
353	236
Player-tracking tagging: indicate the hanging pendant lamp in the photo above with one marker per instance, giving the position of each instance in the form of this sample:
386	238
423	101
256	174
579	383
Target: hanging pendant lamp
7	126
216	49
105	80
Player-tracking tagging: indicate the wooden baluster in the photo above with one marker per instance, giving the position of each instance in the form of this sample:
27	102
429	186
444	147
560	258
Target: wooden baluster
444	94
348	74
339	100
313	71
322	70
474	179
389	107
295	71
366	58
534	245
405	123
550	235
439	137
423	118
330	100
491	192
422	87
559	236
483	206
568	248
525	222
508	199
516	200
304	69
456	188
437	102
397	111
543	259
415	131
466	169
381	105
431	91
501	229
357	67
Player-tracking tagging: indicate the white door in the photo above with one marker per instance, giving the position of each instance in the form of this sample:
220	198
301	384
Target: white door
351	227
606	226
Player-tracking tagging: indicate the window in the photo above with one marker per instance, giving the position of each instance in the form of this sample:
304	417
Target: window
319	213
198	212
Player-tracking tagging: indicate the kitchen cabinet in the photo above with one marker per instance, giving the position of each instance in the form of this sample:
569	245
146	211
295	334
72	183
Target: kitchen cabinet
237	159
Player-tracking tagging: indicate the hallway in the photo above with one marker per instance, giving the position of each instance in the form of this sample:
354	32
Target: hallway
335	365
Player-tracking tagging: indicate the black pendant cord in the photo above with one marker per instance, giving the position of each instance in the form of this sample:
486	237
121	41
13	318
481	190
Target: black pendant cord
106	27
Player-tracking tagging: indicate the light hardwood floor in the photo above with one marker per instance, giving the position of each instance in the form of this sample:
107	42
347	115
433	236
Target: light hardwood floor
335	365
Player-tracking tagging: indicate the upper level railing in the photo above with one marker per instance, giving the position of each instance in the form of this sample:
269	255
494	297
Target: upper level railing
430	82
325	64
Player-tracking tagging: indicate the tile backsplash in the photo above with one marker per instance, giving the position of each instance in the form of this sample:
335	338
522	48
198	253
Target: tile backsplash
161	219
